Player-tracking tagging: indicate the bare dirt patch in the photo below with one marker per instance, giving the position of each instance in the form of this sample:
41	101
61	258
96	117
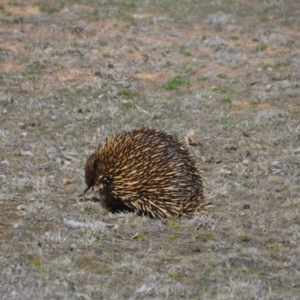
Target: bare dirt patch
22	10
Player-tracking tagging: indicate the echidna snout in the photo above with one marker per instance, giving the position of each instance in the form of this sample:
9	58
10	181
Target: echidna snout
90	173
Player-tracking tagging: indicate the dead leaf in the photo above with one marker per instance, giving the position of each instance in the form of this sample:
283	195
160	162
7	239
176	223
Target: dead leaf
192	139
66	180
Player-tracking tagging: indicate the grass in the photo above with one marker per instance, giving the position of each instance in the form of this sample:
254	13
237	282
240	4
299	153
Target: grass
226	100
174	83
51	7
222	89
103	43
261	47
79	89
184	51
222	76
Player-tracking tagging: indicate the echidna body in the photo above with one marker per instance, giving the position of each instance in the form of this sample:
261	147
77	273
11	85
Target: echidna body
148	171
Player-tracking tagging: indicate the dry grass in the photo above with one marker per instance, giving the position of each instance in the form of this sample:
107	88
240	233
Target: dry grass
74	72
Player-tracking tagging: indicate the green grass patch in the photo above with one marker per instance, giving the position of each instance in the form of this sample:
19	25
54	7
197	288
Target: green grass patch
184	51
227	123
127	105
285	22
244	238
167	64
174	223
275	66
175	276
103	43
130	20
125	9
95	16
88	209
14	20
206	236
51	7
31	72
174	83
34	68
28	188
202	78
126	93
221	89
226	100
261	47
107	55
140	237
222	76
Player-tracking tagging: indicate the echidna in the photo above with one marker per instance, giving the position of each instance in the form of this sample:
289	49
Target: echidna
148	171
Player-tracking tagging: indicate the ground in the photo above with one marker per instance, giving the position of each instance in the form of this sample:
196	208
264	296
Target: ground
75	72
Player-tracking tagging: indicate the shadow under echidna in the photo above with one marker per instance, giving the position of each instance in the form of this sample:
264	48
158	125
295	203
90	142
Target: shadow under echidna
148	171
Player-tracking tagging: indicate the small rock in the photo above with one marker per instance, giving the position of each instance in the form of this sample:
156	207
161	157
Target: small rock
52	152
246	162
26	153
59	160
72	247
225	172
13	295
144	289
21	125
8	100
22	207
16	226
268	87
53	118
246	206
99	251
196	248
297	151
67	163
236	185
77	225
275	163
